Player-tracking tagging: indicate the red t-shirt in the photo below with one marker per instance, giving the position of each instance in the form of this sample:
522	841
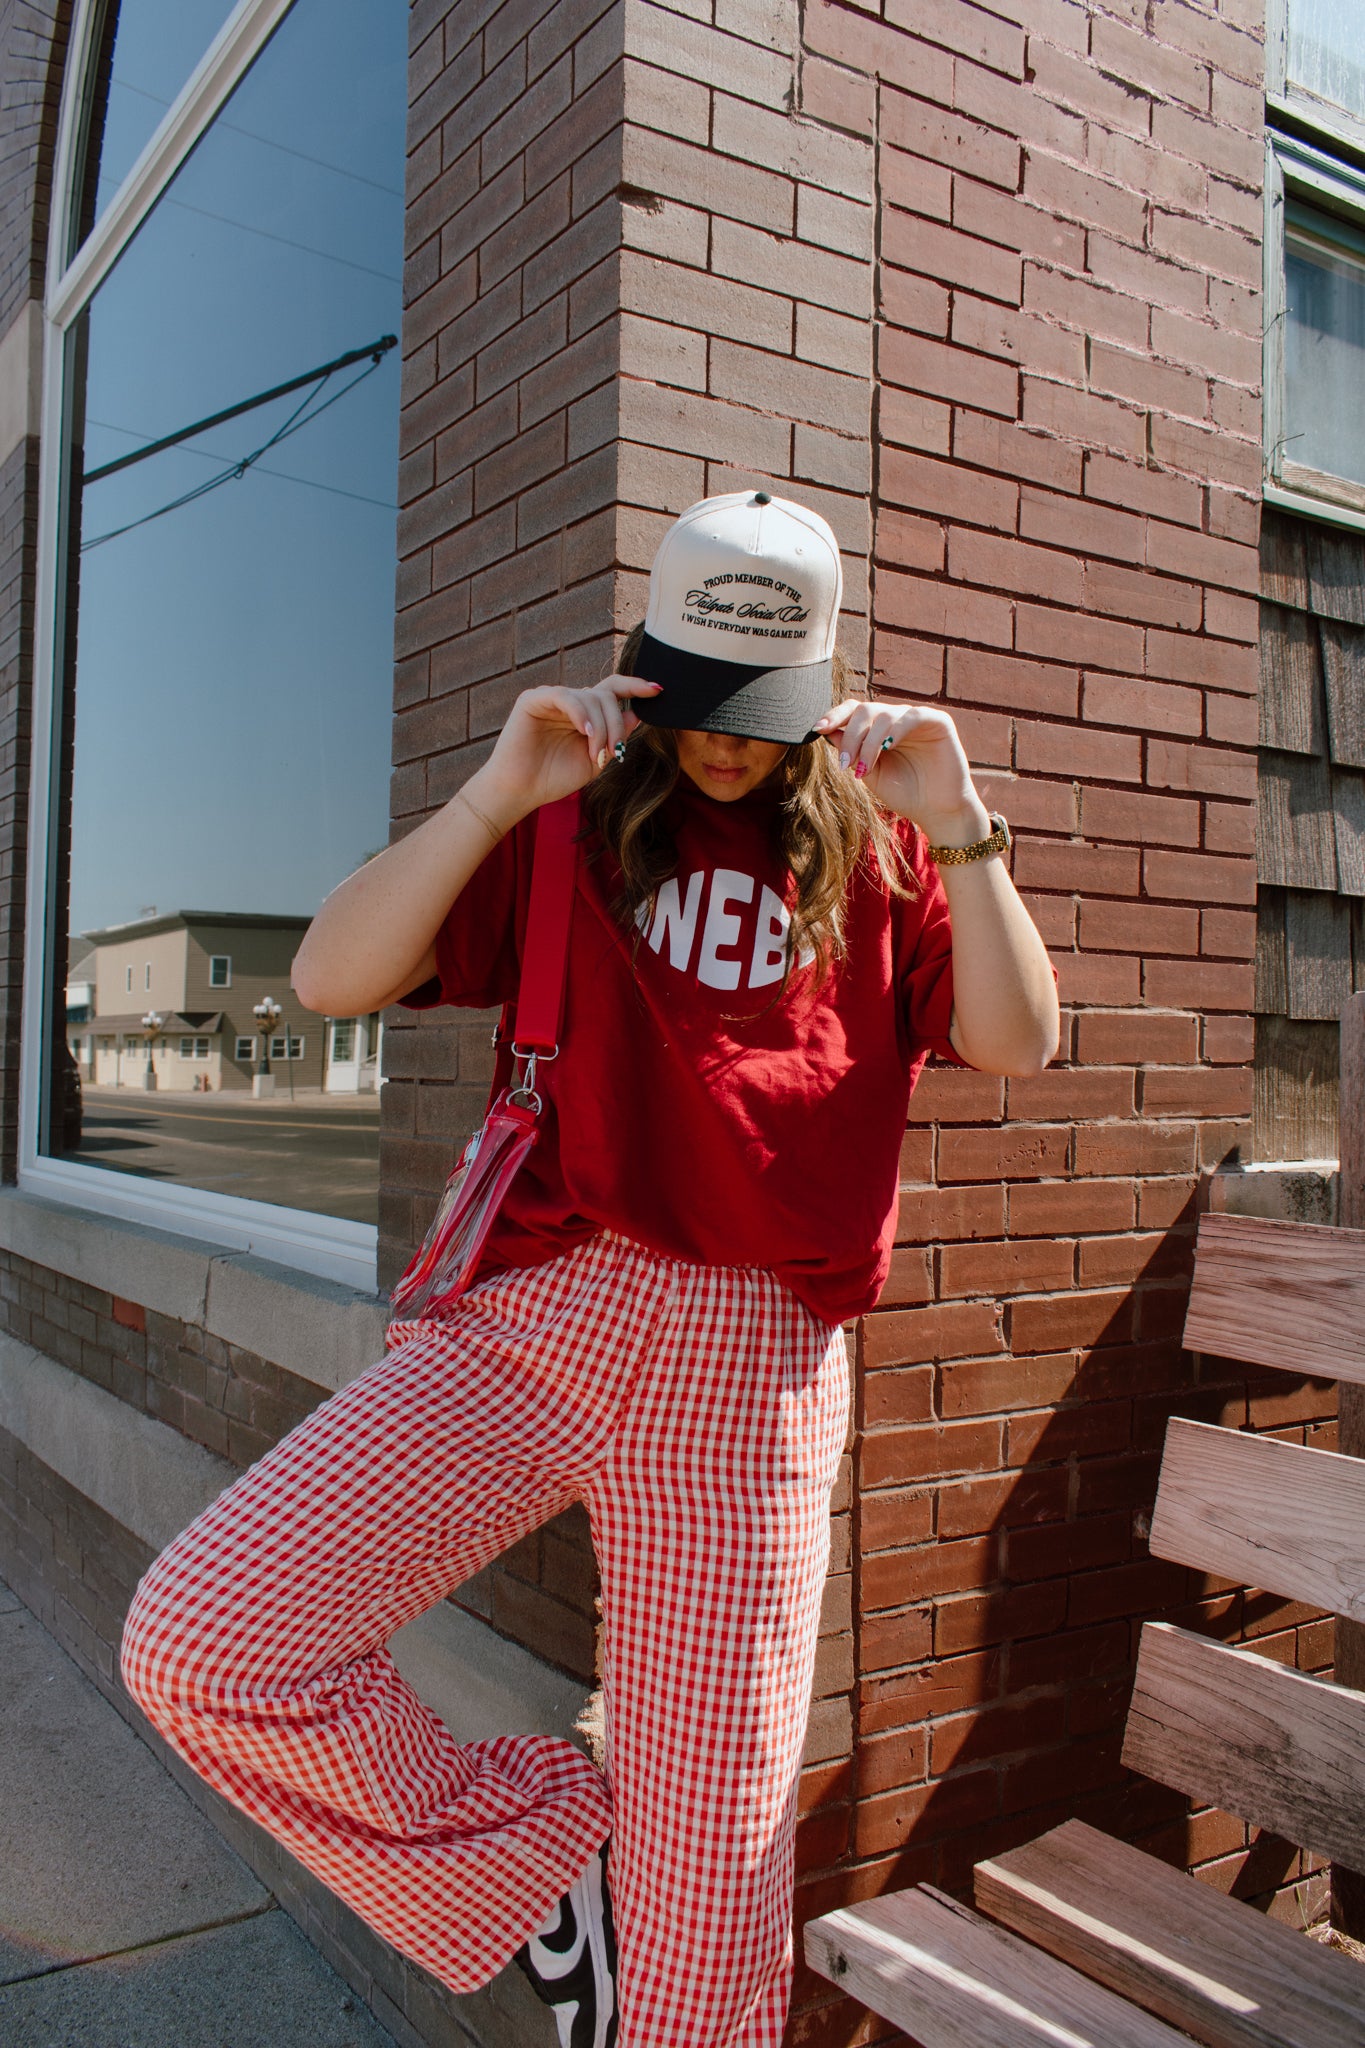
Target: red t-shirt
687	1110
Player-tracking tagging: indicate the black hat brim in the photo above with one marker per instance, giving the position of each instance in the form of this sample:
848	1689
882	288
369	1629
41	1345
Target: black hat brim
703	695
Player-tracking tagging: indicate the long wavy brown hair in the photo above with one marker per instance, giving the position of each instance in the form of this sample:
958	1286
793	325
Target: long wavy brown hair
828	827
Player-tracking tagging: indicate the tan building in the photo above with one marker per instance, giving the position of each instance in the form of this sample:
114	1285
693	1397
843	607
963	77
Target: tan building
202	973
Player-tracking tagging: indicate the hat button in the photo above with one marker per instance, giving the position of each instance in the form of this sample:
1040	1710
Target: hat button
762	498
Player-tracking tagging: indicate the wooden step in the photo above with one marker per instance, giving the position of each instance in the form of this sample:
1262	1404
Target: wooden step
1270	1744
1290	1295
1274	1515
954	1980
1207	1963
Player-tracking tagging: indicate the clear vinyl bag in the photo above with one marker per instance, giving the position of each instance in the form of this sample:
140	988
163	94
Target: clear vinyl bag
449	1257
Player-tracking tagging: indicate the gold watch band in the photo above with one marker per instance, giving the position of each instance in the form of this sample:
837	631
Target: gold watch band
958	856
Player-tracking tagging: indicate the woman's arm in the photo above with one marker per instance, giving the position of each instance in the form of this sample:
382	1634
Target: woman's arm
1005	1015
373	940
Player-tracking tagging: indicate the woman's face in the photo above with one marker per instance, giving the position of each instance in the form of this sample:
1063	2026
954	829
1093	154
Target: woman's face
724	766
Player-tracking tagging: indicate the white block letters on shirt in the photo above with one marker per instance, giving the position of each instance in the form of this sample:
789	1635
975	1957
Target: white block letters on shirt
723	928
677	912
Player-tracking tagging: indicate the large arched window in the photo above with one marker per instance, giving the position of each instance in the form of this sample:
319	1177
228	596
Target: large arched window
214	664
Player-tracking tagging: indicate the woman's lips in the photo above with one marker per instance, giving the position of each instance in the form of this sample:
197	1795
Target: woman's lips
724	774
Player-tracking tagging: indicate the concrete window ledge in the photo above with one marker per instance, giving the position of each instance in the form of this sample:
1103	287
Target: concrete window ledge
319	1329
1287	1190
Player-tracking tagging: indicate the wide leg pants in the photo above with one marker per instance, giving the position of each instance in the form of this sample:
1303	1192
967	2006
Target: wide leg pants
700	1412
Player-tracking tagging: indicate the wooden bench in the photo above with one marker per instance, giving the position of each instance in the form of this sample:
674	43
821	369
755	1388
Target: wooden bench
1082	1941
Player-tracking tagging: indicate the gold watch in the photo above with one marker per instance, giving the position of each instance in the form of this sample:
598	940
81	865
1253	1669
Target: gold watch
958	856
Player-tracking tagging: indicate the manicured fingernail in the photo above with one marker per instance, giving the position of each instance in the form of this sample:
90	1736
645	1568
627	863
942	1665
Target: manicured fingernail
860	771
844	760
587	732
820	724
620	750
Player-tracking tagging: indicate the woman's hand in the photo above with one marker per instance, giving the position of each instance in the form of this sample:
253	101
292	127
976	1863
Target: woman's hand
554	742
912	761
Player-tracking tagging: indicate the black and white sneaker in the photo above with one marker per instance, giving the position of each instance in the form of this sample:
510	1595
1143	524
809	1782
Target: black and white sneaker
571	1962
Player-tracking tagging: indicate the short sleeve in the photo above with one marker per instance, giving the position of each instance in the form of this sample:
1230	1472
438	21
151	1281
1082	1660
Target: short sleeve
925	962
478	947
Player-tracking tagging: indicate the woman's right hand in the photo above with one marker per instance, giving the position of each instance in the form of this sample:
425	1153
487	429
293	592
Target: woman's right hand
555	741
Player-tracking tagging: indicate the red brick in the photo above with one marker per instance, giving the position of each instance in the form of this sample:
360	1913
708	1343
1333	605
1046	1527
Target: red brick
1019	1152
924	1813
907	1280
948	491
892	1519
1197	984
943	609
1206	345
1018	336
901	1396
1007	1500
887	1760
1068	1090
1075	194
1029	1267
914	302
918	1335
1076	83
1196	1091
863	43
1046	1207
956	140
1137	594
957	1095
991	1386
1199	877
837	98
981	1618
1082	1545
1228	934
1230	828
1070	1320
1069	864
1004	1730
1082	416
1138	928
890	1456
1080	751
1158	173
1130	815
1131	701
888	1640
1212	456
1232	564
917	1157
1098	978
1090	1429
1086	307
1135	1148
1030	803
966	30
1213	143
900	1578
938	1215
1143	489
1149	277
941	371
1219	250
1231	618
976	676
1137	1035
130	1315
1123	1261
984	559
1072	522
1068	636
1229	1040
1007	448
946	1686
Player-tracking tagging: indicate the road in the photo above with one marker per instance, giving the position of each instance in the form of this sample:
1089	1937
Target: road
318	1152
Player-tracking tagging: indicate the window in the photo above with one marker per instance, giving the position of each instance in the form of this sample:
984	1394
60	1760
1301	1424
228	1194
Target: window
343	1038
208	246
194	1048
147	975
245	1049
286	1048
1315	261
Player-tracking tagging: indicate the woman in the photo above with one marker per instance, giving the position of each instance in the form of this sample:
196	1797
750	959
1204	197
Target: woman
762	955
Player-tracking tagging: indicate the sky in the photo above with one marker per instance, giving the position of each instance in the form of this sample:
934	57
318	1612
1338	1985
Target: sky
235	657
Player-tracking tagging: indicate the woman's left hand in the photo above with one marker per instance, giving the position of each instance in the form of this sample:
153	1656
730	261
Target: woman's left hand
910	757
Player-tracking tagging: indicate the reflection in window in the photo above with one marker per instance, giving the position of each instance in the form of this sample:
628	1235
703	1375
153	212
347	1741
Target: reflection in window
148	49
229	617
1326	54
1324	357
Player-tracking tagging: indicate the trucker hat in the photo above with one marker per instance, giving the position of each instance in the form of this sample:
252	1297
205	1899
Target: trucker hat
743	606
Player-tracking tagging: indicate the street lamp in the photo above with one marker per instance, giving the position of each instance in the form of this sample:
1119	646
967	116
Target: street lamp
267	1014
151	1024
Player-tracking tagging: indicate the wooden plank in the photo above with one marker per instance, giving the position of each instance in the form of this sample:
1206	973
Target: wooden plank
1268	1743
1336	575
1274	1515
1295	831
1348	817
1348	1886
1293	706
1343	662
1358	947
1317	932
1272	967
1294	1106
954	1980
1284	559
1227	1974
1290	1295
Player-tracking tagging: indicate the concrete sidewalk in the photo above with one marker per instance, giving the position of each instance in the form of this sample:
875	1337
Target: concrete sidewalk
125	1920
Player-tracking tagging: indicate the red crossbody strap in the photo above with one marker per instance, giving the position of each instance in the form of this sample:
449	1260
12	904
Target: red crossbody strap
554	873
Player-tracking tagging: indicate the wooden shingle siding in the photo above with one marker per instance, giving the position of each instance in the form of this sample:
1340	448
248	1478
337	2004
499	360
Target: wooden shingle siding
1310	828
1343	657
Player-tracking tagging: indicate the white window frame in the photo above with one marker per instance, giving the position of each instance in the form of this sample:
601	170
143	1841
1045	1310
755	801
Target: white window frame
284	1046
226	959
250	1045
326	1245
194	1045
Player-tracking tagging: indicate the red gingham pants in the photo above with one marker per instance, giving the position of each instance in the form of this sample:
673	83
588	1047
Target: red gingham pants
700	1412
